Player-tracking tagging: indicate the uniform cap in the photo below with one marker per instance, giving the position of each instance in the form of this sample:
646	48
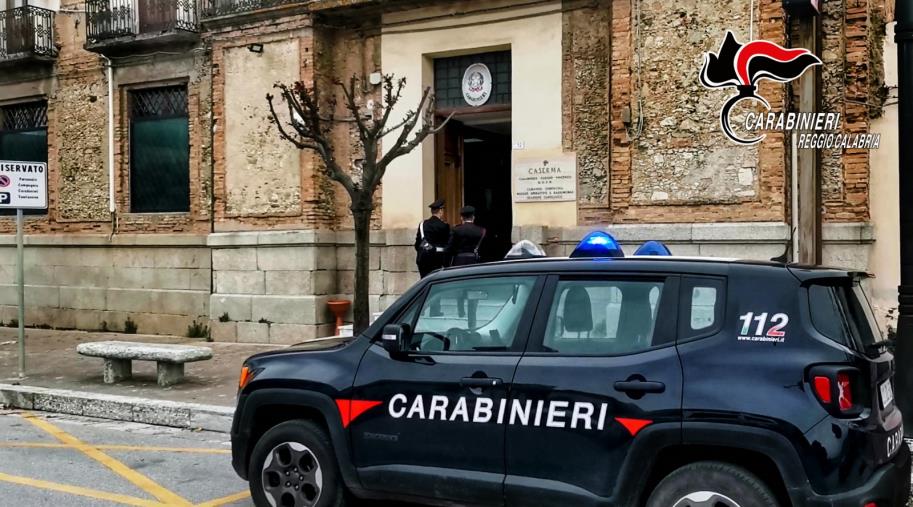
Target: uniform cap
438	204
467	211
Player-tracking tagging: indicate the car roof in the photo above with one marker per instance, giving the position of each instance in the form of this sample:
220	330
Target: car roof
645	263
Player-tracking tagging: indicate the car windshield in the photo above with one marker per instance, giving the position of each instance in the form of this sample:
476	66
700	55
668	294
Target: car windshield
844	314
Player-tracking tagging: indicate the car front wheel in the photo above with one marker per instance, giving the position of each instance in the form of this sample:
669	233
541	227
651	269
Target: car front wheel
293	465
711	484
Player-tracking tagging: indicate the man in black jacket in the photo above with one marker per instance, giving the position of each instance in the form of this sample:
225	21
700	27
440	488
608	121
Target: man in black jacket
431	240
465	239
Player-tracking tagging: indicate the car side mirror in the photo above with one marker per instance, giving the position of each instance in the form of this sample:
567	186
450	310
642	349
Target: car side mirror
395	338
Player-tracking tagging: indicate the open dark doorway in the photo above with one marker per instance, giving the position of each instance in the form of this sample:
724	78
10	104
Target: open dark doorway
472	168
486	184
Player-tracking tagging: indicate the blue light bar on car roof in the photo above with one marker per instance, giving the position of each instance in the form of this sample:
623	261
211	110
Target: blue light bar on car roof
653	248
597	244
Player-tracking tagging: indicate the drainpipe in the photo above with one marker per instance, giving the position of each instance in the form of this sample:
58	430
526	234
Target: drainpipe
904	351
110	74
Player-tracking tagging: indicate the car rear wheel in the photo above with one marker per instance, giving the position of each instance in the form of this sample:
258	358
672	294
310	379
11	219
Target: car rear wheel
293	465
712	484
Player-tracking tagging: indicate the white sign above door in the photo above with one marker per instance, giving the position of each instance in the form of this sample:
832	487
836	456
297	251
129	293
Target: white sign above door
477	84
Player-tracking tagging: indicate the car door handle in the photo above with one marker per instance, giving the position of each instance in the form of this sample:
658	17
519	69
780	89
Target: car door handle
639	386
480	382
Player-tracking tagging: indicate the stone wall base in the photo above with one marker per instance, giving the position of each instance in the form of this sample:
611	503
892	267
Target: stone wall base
273	286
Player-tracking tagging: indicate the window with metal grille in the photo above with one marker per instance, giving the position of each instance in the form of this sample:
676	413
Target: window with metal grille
159	150
448	78
24	136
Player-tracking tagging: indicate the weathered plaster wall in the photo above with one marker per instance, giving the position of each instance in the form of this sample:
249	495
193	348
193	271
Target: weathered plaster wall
586	41
262	170
80	117
681	156
258	179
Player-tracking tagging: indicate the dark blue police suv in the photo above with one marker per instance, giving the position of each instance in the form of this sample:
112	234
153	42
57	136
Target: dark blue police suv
656	381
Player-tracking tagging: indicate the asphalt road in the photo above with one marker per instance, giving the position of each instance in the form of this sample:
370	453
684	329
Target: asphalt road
48	459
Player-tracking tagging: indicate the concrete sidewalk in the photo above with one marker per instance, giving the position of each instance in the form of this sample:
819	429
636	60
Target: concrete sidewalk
60	380
52	362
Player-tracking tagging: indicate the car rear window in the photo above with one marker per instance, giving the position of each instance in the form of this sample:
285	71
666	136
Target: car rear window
843	313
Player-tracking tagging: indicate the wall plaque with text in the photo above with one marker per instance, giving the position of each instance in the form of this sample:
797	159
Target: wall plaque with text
546	179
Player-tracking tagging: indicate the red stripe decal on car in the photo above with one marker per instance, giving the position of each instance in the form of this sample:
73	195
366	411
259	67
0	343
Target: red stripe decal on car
633	425
349	410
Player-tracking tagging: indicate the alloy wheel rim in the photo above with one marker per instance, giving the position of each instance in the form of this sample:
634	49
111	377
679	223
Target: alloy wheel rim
705	499
291	476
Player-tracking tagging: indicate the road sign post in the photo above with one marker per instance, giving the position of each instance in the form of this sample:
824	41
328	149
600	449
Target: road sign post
23	185
20	282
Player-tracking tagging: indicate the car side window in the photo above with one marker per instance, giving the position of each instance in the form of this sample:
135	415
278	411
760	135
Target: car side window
603	317
701	306
472	315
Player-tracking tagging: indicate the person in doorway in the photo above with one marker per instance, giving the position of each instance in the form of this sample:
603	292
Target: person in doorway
463	247
465	239
431	240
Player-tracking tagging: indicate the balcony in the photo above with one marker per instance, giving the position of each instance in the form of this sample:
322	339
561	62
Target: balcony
124	26
27	34
214	9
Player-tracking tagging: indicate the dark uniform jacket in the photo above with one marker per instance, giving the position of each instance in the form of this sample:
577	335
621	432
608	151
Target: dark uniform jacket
464	243
437	232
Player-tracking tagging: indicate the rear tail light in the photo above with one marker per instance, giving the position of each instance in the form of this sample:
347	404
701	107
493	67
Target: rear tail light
823	388
837	388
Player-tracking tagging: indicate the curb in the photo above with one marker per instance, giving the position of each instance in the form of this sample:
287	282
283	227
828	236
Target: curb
119	408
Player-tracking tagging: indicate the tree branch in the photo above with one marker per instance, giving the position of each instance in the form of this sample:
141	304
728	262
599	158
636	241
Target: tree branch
390	101
349	94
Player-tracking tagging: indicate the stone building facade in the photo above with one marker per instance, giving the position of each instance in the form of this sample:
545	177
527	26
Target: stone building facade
256	240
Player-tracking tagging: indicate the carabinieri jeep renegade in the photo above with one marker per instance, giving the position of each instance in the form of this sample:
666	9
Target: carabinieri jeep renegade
656	381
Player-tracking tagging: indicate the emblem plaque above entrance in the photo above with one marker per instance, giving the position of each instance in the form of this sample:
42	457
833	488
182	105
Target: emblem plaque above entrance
477	84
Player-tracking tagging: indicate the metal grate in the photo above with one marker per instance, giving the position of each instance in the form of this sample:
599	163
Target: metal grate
217	8
164	102
24	116
448	78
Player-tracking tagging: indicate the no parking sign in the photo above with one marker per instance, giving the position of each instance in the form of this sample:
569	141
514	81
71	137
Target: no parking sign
23	185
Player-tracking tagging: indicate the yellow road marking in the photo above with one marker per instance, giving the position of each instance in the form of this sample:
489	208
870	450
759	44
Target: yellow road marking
141	481
45	445
225	500
76	490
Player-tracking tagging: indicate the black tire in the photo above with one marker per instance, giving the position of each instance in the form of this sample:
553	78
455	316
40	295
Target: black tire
696	484
304	441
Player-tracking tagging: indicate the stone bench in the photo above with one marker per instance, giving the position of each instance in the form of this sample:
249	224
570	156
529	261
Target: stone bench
170	358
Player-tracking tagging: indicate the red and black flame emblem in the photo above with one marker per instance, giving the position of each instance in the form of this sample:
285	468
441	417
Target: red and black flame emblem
743	65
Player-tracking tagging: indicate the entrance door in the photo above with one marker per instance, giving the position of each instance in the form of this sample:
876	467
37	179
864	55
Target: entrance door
18	28
156	15
448	170
486	184
472	167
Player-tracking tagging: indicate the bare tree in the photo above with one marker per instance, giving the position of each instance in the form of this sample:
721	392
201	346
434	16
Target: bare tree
307	123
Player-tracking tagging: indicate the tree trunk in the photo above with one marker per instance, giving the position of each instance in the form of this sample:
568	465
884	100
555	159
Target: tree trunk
360	308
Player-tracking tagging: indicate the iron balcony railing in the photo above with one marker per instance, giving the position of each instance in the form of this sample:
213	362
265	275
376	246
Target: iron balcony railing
109	19
27	31
217	8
